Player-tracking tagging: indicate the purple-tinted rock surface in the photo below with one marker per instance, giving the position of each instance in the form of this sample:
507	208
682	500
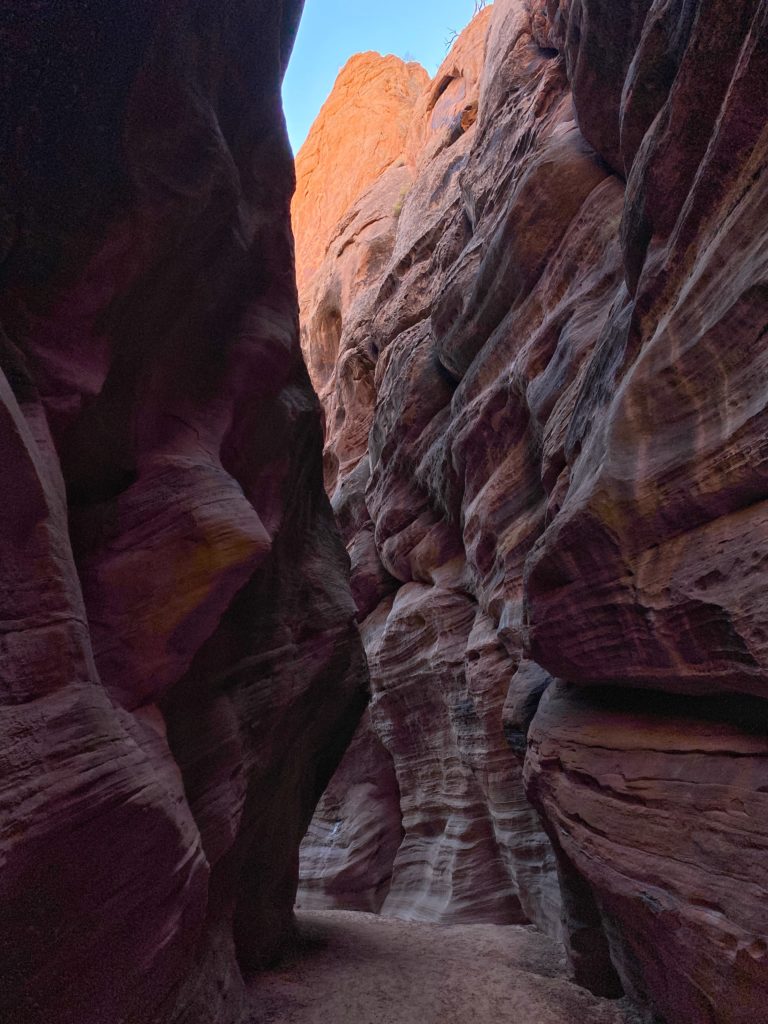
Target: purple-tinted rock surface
179	665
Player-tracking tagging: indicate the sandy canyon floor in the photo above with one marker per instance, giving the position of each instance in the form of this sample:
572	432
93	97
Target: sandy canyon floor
354	968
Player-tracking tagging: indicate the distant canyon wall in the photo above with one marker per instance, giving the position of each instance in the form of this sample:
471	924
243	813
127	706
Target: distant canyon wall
179	665
538	330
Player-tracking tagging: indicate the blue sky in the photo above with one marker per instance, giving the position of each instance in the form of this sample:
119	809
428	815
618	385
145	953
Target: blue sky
332	30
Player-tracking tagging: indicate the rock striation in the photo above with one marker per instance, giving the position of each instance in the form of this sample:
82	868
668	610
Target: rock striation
179	665
545	448
467	845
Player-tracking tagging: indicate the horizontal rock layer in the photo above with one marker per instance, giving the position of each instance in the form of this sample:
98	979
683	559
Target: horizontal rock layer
545	446
179	666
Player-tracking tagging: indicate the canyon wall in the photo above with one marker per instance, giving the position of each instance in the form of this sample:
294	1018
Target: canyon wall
539	336
179	665
465	845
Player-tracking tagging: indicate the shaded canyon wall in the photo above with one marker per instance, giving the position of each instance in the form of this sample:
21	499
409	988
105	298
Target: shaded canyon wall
179	665
539	333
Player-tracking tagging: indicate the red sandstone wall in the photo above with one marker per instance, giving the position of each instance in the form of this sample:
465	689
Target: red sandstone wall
179	668
546	450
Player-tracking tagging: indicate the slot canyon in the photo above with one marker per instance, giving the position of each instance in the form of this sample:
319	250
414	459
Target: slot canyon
383	533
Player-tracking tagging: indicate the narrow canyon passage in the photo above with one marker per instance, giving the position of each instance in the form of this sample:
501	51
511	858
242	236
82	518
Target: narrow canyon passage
384	531
356	968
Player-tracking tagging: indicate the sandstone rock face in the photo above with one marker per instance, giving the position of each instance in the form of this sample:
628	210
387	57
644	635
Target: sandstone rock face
179	665
545	447
350	848
466	845
357	136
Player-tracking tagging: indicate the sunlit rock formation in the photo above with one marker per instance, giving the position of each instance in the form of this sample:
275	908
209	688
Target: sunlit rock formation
468	845
179	666
358	135
542	357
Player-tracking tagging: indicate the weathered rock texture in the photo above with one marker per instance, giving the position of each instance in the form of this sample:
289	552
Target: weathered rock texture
358	135
546	450
467	845
179	665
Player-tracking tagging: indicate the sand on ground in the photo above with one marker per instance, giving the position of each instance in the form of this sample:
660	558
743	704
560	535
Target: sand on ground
355	968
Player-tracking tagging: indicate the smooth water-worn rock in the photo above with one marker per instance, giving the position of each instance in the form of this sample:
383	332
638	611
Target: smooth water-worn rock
660	806
350	848
179	666
545	441
469	845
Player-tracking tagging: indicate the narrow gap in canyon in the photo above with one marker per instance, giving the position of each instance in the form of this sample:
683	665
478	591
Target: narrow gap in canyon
384	531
